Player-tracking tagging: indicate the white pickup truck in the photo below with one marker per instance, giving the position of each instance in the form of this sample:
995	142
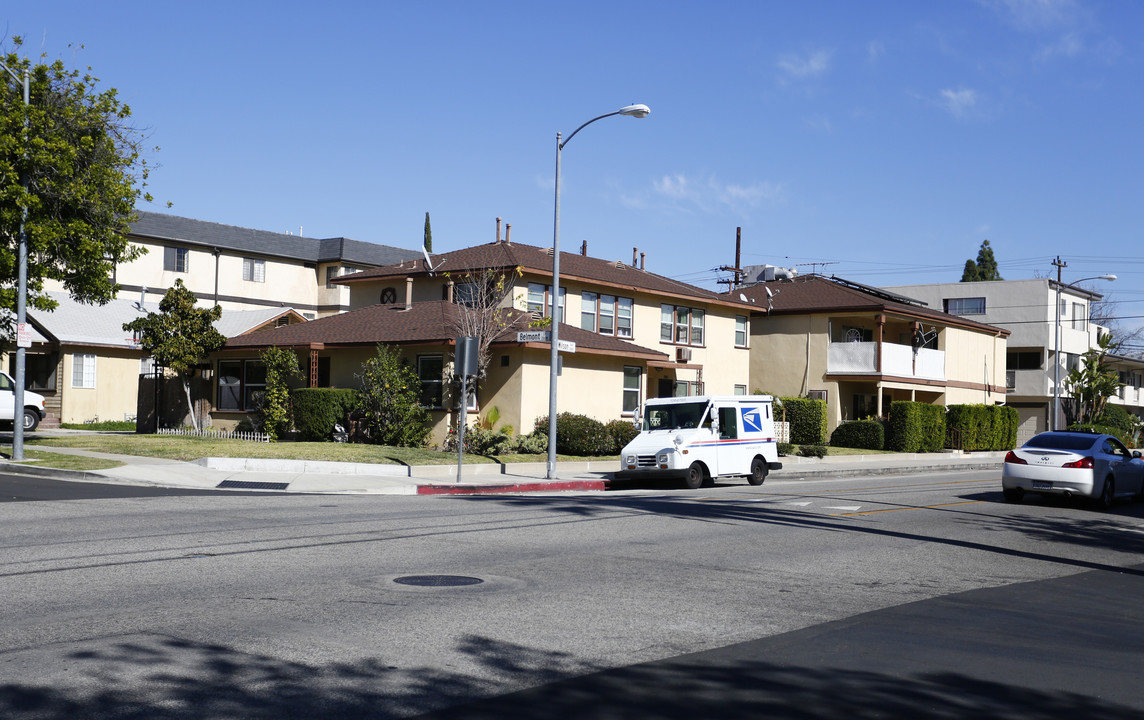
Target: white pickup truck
33	404
702	438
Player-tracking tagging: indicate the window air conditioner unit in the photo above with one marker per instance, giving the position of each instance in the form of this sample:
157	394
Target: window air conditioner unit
683	354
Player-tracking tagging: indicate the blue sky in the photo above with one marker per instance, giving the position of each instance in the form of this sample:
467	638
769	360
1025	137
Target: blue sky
879	141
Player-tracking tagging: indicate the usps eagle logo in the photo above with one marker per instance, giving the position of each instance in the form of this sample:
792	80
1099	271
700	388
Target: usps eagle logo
752	420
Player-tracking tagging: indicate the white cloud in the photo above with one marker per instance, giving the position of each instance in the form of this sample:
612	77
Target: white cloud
1036	15
798	67
875	51
710	195
959	102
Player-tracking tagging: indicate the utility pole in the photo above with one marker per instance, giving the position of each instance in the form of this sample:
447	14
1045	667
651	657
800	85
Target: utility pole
737	271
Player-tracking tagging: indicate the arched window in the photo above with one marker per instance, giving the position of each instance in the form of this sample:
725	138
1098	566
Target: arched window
388	296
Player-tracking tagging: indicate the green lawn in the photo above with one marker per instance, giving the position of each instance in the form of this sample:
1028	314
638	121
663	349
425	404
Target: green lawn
192	448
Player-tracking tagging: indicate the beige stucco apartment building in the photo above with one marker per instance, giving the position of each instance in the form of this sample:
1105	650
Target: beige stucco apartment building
636	334
860	348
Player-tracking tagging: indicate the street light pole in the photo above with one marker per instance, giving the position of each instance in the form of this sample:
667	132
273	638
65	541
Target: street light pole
21	291
1059	264
637	111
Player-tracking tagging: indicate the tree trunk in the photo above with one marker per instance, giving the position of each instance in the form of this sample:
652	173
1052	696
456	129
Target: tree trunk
190	403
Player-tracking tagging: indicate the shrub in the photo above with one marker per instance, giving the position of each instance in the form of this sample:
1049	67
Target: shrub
981	427
807	420
530	444
1117	417
317	410
785	449
861	434
274	410
812	451
388	403
1099	430
578	435
916	427
622	433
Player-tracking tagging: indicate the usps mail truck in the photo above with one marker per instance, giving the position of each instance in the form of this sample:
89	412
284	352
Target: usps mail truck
700	438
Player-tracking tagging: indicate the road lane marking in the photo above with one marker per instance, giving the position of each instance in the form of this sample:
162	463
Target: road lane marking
919	507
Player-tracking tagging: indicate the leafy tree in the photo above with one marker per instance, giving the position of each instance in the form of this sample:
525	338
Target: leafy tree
180	336
76	168
428	235
388	403
984	268
1091	383
281	365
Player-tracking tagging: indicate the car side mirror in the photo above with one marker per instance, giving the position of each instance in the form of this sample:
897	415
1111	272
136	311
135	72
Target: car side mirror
1136	454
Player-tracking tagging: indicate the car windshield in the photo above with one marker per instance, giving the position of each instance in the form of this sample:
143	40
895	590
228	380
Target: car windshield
675	416
1062	441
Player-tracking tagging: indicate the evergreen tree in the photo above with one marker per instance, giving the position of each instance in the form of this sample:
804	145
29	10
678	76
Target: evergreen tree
985	268
428	235
986	263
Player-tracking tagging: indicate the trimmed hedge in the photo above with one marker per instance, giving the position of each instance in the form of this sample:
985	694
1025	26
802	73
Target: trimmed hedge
317	410
622	432
578	435
916	427
860	434
807	420
981	427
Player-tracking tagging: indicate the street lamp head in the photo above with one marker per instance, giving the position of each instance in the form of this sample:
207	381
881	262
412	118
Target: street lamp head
638	111
1109	278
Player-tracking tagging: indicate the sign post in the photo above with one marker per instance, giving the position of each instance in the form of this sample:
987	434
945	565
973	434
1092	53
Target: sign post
465	363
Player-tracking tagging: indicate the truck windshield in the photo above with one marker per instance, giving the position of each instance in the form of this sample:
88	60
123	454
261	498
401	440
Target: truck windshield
673	417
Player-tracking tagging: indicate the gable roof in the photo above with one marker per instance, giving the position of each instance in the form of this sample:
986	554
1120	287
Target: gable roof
75	323
507	256
172	228
422	323
807	294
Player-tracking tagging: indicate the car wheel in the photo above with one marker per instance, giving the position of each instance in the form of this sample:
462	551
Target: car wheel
1107	494
694	479
758	472
1013	495
31	419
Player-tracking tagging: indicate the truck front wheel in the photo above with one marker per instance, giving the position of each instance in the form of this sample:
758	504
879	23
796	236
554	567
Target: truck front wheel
31	419
694	479
758	472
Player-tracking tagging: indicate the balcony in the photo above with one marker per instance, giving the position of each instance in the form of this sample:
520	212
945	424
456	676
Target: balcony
861	358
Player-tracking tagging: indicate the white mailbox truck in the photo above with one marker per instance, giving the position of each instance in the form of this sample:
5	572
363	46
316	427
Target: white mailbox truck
34	410
700	438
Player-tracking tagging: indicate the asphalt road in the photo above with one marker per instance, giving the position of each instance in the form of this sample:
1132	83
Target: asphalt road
911	597
24	488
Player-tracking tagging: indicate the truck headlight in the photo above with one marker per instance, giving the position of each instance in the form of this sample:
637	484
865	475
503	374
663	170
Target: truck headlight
663	459
630	460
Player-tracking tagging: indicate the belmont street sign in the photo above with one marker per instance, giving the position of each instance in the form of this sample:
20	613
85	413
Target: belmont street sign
545	336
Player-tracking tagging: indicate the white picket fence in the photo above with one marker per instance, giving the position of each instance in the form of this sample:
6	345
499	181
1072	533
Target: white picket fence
217	434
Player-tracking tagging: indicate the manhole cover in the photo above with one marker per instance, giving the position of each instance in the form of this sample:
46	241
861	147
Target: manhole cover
438	580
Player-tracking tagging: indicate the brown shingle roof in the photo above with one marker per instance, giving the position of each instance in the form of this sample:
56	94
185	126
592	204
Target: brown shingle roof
506	256
817	294
425	322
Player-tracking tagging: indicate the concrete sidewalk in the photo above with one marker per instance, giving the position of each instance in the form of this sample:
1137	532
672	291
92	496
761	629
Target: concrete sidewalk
302	476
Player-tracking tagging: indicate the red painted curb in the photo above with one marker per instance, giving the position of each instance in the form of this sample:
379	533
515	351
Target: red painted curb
556	486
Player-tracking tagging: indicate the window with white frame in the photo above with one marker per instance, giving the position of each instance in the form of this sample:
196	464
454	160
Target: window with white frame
588	311
633	382
741	331
253	270
540	300
83	370
681	325
175	259
624	317
1079	317
740	389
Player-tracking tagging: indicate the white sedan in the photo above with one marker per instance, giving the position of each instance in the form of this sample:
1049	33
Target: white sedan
1073	464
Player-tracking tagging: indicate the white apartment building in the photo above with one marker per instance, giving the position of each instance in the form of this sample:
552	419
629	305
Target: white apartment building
1027	308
